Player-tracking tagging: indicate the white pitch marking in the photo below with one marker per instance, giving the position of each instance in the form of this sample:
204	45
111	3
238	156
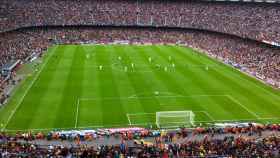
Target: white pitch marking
247	74
206	113
244	107
100	67
77	113
147	97
141	124
134	114
238	120
127	115
27	90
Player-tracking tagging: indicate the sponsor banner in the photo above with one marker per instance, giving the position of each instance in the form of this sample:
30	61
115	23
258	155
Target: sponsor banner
75	132
132	129
224	125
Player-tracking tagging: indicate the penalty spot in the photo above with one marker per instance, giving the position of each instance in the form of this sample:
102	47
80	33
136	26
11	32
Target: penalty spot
100	67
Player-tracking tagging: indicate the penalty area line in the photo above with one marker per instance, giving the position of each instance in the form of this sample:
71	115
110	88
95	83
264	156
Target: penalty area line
26	92
77	113
127	115
207	114
244	107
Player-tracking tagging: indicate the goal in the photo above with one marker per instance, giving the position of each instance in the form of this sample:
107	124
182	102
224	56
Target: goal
174	119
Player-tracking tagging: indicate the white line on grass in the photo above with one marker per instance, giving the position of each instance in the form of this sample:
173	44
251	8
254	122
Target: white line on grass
150	97
77	113
142	124
26	91
127	115
238	120
242	72
154	93
255	84
207	114
244	107
135	114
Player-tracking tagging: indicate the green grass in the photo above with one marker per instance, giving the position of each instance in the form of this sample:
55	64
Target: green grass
70	91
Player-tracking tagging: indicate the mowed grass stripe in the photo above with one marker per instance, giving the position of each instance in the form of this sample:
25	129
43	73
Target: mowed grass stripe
143	82
125	88
167	80
90	111
113	113
53	88
65	115
141	87
157	79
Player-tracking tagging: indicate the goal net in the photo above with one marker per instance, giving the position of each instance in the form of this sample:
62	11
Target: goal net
174	119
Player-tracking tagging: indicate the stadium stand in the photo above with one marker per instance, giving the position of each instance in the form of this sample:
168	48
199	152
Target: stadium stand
258	21
245	36
246	141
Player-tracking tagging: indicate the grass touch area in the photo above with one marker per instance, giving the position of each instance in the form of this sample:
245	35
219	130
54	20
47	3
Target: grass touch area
119	86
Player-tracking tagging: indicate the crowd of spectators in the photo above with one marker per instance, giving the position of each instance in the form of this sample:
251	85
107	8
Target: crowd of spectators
250	20
14	46
253	20
258	59
164	144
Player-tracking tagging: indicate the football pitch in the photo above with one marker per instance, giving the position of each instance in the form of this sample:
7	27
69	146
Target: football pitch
104	86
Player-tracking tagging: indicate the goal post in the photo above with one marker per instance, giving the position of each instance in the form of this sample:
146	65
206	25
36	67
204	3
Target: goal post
174	119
